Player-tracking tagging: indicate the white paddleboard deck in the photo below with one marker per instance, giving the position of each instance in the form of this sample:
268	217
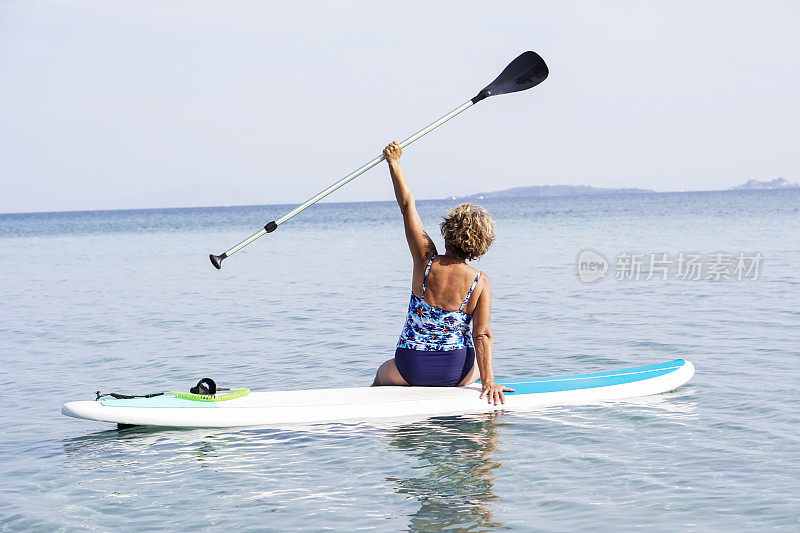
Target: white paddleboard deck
331	405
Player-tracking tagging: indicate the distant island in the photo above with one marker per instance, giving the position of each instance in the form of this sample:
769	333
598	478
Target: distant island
574	190
551	190
757	185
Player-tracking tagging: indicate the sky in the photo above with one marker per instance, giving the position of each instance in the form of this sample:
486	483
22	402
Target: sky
139	104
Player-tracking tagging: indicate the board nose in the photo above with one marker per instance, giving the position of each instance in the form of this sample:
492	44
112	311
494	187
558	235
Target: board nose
71	409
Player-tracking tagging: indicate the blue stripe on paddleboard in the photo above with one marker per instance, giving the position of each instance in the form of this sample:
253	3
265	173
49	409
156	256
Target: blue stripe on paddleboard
594	380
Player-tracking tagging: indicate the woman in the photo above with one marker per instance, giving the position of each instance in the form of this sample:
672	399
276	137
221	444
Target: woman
436	348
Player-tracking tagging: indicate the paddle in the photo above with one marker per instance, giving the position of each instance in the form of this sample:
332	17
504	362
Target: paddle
526	71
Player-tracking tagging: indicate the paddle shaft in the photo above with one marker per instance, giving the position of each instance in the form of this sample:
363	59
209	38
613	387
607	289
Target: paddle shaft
524	72
270	227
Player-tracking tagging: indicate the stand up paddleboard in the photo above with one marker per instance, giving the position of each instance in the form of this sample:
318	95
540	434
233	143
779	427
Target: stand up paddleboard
243	408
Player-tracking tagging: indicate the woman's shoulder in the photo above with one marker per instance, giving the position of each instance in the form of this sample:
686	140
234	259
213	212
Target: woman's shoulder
476	272
484	282
466	271
481	290
480	280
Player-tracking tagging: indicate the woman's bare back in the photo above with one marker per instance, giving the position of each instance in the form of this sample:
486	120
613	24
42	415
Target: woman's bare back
449	281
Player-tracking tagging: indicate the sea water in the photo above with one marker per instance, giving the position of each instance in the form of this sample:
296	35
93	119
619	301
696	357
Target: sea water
127	301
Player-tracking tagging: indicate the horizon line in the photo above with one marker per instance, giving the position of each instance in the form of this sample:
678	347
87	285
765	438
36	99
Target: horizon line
467	197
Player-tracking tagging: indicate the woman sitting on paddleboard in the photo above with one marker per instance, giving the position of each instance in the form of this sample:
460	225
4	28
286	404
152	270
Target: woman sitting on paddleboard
436	348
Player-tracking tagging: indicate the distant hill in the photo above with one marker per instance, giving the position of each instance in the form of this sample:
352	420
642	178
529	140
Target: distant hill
778	183
550	190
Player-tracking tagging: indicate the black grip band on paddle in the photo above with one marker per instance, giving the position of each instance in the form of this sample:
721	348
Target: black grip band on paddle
271	226
478	97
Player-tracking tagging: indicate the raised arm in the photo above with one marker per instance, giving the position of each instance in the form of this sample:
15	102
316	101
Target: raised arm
419	242
484	344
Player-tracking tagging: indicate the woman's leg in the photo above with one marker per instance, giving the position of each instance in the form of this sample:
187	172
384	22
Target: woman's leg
473	376
474	373
388	375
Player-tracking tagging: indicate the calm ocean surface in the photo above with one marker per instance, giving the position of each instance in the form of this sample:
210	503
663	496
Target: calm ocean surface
127	301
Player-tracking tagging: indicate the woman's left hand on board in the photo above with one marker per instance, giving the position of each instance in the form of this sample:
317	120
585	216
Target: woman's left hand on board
494	392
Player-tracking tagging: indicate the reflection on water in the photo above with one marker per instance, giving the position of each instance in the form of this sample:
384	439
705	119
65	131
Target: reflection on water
456	472
421	475
445	466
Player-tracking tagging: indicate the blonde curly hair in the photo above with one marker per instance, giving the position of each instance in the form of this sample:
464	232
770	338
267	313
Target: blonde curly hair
468	231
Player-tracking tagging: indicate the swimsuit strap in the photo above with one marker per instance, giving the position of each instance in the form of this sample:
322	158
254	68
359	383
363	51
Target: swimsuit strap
474	283
425	278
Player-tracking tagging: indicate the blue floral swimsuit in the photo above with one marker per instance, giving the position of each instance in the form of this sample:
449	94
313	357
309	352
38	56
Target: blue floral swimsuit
435	347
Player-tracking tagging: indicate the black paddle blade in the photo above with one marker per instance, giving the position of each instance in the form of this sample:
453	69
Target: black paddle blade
526	71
